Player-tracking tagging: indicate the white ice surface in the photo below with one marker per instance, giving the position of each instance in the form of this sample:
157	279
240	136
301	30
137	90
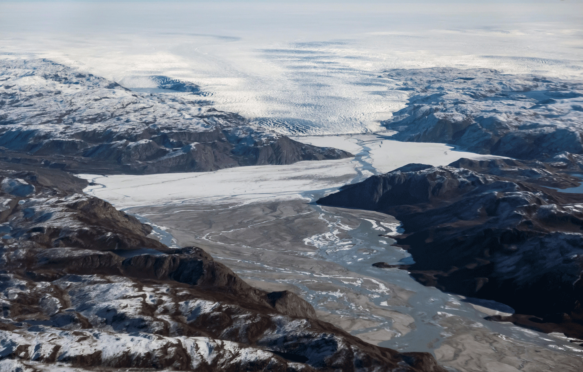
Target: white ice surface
244	184
387	155
395	154
269	182
316	63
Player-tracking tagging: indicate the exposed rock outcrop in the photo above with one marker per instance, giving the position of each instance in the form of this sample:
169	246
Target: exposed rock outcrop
57	214
488	229
488	112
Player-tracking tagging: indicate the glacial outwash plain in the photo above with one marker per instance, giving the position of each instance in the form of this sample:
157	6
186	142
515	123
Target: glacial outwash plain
276	186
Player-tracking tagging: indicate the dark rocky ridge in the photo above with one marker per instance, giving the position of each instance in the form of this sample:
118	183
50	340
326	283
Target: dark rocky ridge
488	229
55	116
69	299
488	112
57	214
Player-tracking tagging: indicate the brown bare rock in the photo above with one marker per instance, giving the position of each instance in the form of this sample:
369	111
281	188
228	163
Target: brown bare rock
55	216
289	303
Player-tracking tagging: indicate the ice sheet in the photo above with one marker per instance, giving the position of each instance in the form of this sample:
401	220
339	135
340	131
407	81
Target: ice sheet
311	68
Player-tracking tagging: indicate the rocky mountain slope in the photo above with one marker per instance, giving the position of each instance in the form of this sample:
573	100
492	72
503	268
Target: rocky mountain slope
485	111
491	229
56	116
84	287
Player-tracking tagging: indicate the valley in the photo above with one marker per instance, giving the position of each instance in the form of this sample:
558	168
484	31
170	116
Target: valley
275	237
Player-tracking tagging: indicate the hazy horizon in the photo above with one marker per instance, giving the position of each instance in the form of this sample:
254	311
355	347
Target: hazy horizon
287	61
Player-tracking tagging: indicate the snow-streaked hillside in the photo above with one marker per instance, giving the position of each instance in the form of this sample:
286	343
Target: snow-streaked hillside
60	117
486	111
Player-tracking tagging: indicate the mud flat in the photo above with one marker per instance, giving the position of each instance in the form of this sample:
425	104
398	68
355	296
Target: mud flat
266	228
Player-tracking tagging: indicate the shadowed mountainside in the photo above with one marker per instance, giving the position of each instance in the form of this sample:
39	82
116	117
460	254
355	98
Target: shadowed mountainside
489	229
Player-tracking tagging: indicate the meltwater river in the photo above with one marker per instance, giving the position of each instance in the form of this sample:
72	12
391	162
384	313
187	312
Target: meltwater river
236	215
427	303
